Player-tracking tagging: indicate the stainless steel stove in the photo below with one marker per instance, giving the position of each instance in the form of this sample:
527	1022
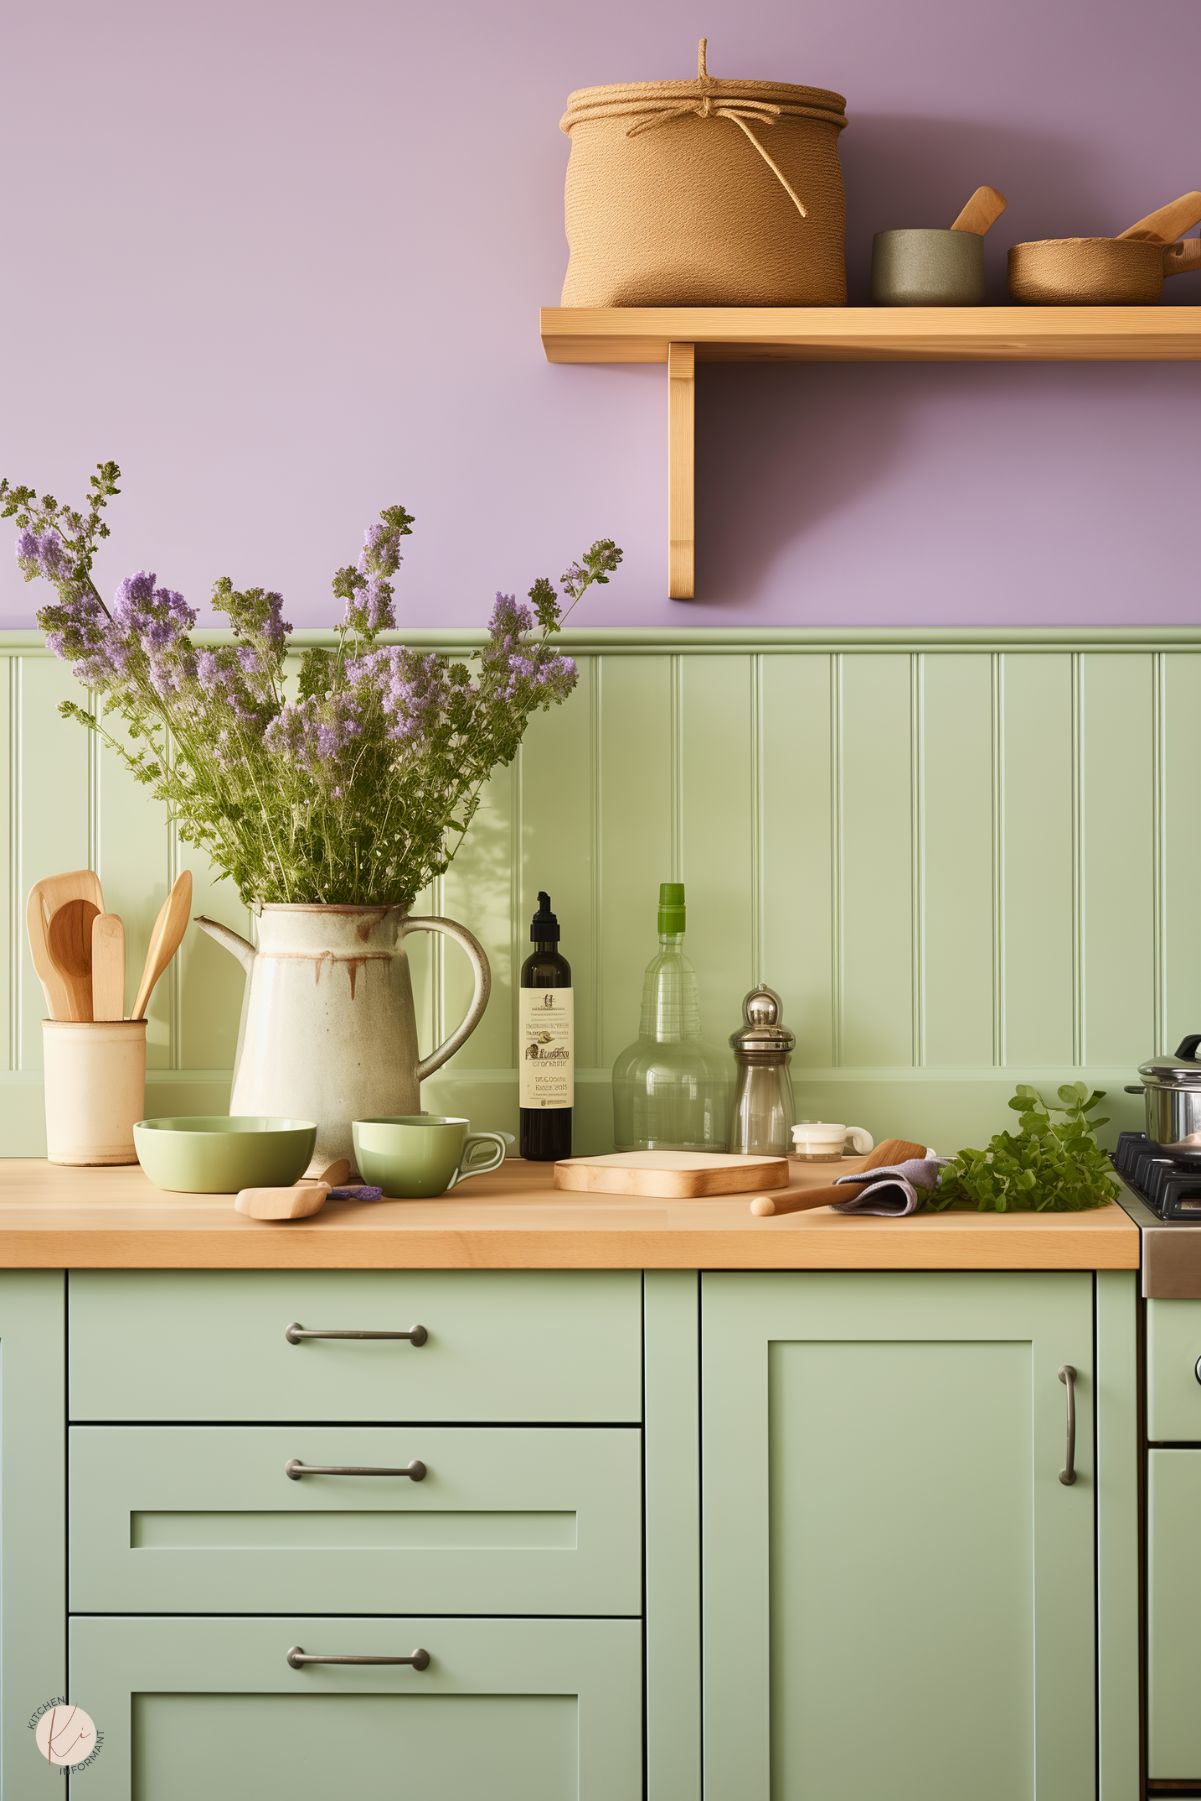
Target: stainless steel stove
1161	1191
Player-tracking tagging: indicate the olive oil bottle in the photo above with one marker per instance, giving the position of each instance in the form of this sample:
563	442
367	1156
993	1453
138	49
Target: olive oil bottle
545	1043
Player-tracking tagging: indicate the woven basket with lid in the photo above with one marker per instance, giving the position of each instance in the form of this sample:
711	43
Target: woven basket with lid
704	193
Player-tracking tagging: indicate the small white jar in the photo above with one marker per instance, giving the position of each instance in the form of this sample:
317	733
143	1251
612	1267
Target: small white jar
95	1082
817	1141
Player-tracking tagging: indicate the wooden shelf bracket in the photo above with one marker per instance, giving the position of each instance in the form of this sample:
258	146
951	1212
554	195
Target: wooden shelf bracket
681	471
678	336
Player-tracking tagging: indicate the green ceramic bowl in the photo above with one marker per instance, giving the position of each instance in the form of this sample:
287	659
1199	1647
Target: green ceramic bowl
219	1155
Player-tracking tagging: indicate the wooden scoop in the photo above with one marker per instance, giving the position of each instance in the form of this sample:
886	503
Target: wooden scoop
298	1202
45	897
893	1150
982	211
69	940
108	967
169	928
1168	222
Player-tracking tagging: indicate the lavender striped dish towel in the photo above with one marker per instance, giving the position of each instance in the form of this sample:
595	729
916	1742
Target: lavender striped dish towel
894	1190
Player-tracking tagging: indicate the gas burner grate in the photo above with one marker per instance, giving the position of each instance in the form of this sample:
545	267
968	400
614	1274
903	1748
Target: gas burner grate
1170	1185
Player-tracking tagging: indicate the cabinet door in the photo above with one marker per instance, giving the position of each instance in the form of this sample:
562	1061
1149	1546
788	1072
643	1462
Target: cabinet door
511	1710
33	1662
898	1589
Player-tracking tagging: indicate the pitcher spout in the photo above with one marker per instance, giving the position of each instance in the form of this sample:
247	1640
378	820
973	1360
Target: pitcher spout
234	943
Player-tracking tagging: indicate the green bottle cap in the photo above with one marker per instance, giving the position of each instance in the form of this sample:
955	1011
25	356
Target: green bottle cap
671	907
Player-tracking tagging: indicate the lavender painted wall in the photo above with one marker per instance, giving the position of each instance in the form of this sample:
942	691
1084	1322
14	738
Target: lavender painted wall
283	261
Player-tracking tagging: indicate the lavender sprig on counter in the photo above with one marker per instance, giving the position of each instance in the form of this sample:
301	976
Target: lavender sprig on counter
350	779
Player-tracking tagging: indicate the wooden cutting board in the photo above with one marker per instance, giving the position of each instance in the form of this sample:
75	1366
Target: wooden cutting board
671	1175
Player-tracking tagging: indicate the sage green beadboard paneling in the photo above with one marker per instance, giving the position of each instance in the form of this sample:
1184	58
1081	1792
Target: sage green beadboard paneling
954	885
1036	852
873	827
963	861
1117	855
794	845
10	908
478	889
1177	850
715	807
558	843
637	843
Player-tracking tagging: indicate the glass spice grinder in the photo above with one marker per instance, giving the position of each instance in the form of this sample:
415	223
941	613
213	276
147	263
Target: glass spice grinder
764	1111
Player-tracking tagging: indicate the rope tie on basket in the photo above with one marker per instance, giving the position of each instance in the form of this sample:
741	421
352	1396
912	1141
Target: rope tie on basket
742	113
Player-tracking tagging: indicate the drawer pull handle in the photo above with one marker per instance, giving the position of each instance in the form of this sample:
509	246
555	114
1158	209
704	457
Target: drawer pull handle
296	1334
416	1470
297	1658
1067	1474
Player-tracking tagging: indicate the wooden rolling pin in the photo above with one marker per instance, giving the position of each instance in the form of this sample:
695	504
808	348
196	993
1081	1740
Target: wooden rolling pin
893	1150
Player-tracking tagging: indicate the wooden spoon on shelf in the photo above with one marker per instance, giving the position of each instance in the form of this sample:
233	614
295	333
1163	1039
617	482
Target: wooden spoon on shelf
108	967
982	211
69	940
1167	223
44	897
169	928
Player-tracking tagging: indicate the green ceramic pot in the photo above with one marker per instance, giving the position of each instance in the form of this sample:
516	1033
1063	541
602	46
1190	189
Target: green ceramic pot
415	1156
927	268
218	1155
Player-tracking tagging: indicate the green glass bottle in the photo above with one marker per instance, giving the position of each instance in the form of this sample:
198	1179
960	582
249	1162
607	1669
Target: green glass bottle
671	1090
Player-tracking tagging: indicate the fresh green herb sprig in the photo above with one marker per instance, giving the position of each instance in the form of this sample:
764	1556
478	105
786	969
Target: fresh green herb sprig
1051	1164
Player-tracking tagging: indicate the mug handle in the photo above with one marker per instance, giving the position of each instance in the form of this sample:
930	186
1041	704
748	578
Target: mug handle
861	1142
475	1166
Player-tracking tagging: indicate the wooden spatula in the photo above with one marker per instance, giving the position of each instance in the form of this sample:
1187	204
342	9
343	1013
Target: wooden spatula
169	928
44	898
982	211
108	967
893	1150
1168	222
298	1202
69	940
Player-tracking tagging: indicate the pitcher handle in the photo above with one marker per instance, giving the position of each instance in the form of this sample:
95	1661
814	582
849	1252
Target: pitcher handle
479	997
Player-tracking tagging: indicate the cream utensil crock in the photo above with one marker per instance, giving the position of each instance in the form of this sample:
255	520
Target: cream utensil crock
328	1029
95	1085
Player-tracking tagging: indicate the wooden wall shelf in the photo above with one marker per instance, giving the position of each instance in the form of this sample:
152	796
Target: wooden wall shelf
681	337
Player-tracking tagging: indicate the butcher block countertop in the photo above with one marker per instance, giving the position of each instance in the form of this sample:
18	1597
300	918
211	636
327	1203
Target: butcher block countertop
56	1218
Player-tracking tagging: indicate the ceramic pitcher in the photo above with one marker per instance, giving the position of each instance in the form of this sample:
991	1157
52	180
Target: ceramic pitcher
328	1031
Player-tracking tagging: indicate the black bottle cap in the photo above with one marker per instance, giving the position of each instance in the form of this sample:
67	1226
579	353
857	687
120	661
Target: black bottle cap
544	927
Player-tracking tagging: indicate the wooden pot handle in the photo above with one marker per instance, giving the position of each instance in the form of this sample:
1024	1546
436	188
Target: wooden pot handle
1180	259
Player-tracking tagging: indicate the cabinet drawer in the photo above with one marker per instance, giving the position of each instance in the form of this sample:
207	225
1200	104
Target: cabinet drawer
1173	1615
1173	1391
512	1520
517	1710
496	1345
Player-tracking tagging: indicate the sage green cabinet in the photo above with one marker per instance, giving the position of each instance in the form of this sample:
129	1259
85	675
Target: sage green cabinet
511	1710
321	1519
1173	1614
898	1589
32	1524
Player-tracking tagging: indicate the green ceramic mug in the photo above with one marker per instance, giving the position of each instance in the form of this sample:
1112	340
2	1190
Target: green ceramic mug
415	1156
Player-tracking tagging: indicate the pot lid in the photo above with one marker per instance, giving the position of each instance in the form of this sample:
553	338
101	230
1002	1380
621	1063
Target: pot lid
1180	1071
762	1032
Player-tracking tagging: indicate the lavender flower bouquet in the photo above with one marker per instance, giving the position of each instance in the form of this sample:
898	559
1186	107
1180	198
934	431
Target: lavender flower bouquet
351	779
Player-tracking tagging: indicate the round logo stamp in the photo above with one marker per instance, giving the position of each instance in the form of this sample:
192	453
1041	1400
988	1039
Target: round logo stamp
66	1735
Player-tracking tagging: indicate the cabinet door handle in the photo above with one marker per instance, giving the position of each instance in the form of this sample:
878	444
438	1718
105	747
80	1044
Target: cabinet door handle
416	1471
1067	1474
297	1658
296	1333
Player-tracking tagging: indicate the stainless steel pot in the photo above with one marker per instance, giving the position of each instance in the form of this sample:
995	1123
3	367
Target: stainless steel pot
1171	1091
